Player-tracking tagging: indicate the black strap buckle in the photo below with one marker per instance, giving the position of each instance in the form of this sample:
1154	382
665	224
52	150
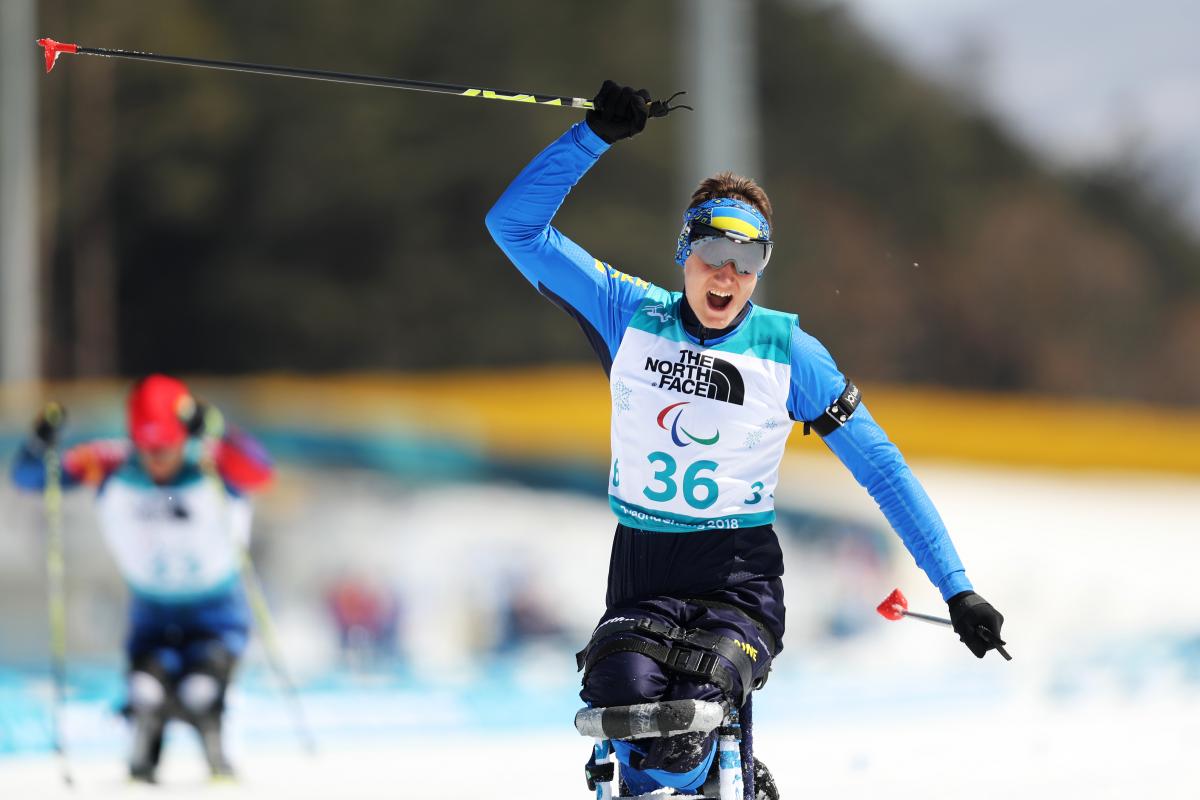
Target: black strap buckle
647	625
734	730
692	652
838	414
670	632
693	662
597	773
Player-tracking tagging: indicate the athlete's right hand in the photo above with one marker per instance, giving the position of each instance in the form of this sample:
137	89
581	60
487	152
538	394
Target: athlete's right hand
49	423
620	112
976	622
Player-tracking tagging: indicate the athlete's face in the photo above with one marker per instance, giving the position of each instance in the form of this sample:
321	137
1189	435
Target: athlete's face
161	463
716	295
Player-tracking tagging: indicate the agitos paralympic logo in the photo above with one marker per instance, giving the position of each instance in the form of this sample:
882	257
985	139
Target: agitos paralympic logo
701	375
676	428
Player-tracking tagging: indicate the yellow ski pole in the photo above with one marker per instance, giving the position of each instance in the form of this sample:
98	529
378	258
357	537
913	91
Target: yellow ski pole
54	416
53	49
257	599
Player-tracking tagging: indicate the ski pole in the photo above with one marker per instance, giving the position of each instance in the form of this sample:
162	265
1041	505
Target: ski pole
263	620
266	632
895	607
54	415
53	49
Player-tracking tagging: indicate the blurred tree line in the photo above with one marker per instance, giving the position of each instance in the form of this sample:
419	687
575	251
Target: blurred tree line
201	221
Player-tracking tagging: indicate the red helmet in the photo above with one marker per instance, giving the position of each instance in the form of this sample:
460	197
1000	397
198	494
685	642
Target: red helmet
158	409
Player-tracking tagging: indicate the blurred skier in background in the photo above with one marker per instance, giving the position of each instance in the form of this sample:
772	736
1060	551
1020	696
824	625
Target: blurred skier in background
705	387
366	614
177	522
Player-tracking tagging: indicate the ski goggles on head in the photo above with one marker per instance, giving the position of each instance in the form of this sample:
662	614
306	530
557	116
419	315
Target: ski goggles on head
725	230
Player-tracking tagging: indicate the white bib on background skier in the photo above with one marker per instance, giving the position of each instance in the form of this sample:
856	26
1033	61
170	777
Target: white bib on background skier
173	543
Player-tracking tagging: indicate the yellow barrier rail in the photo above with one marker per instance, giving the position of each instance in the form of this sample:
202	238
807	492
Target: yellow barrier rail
563	411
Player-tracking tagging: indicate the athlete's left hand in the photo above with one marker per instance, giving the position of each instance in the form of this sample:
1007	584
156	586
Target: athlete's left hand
976	622
205	421
619	113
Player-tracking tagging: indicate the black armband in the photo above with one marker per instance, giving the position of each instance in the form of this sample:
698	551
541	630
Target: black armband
837	414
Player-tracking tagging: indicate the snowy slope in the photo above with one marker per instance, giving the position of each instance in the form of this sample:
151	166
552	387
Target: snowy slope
1093	572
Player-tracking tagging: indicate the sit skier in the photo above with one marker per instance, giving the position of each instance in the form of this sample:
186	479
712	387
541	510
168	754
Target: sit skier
177	532
705	387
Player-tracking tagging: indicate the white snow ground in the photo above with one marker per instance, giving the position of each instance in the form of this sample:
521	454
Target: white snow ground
1095	574
1107	750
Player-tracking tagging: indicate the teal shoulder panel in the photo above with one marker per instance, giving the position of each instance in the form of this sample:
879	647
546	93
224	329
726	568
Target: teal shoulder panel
659	314
766	334
131	473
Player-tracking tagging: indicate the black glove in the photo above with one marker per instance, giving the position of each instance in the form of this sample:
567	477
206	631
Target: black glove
619	113
205	419
976	622
49	424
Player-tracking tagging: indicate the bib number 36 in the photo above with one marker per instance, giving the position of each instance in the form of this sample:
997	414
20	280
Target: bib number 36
698	492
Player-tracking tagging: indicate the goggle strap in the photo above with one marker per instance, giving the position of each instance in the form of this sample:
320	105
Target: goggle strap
702	230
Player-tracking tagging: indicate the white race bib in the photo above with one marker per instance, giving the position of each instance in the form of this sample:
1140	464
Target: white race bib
173	543
698	432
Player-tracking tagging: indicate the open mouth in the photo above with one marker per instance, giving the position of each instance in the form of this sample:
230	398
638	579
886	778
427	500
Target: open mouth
718	301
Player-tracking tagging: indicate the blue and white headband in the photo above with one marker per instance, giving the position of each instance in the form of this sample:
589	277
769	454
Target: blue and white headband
725	213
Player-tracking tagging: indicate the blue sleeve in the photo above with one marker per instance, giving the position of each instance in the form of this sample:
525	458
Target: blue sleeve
876	464
600	298
29	470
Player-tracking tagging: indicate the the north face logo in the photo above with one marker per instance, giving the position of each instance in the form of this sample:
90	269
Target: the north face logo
701	375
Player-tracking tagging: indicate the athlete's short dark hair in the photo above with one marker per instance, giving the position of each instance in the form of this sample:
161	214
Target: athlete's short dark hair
729	184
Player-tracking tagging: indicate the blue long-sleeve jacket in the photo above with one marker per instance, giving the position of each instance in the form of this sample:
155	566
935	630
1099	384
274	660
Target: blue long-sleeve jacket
603	300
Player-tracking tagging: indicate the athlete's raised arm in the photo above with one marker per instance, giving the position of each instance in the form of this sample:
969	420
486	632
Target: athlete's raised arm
601	298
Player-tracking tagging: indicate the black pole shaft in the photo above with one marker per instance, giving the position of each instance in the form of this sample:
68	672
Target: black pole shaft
343	77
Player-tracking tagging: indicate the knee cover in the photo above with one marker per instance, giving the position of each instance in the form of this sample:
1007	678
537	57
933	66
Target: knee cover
624	679
688	655
200	694
147	694
680	754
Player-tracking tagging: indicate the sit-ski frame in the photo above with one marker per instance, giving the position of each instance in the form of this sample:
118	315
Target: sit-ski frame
666	718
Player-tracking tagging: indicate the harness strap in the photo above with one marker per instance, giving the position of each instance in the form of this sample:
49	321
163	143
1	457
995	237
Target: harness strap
837	414
763	631
688	651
